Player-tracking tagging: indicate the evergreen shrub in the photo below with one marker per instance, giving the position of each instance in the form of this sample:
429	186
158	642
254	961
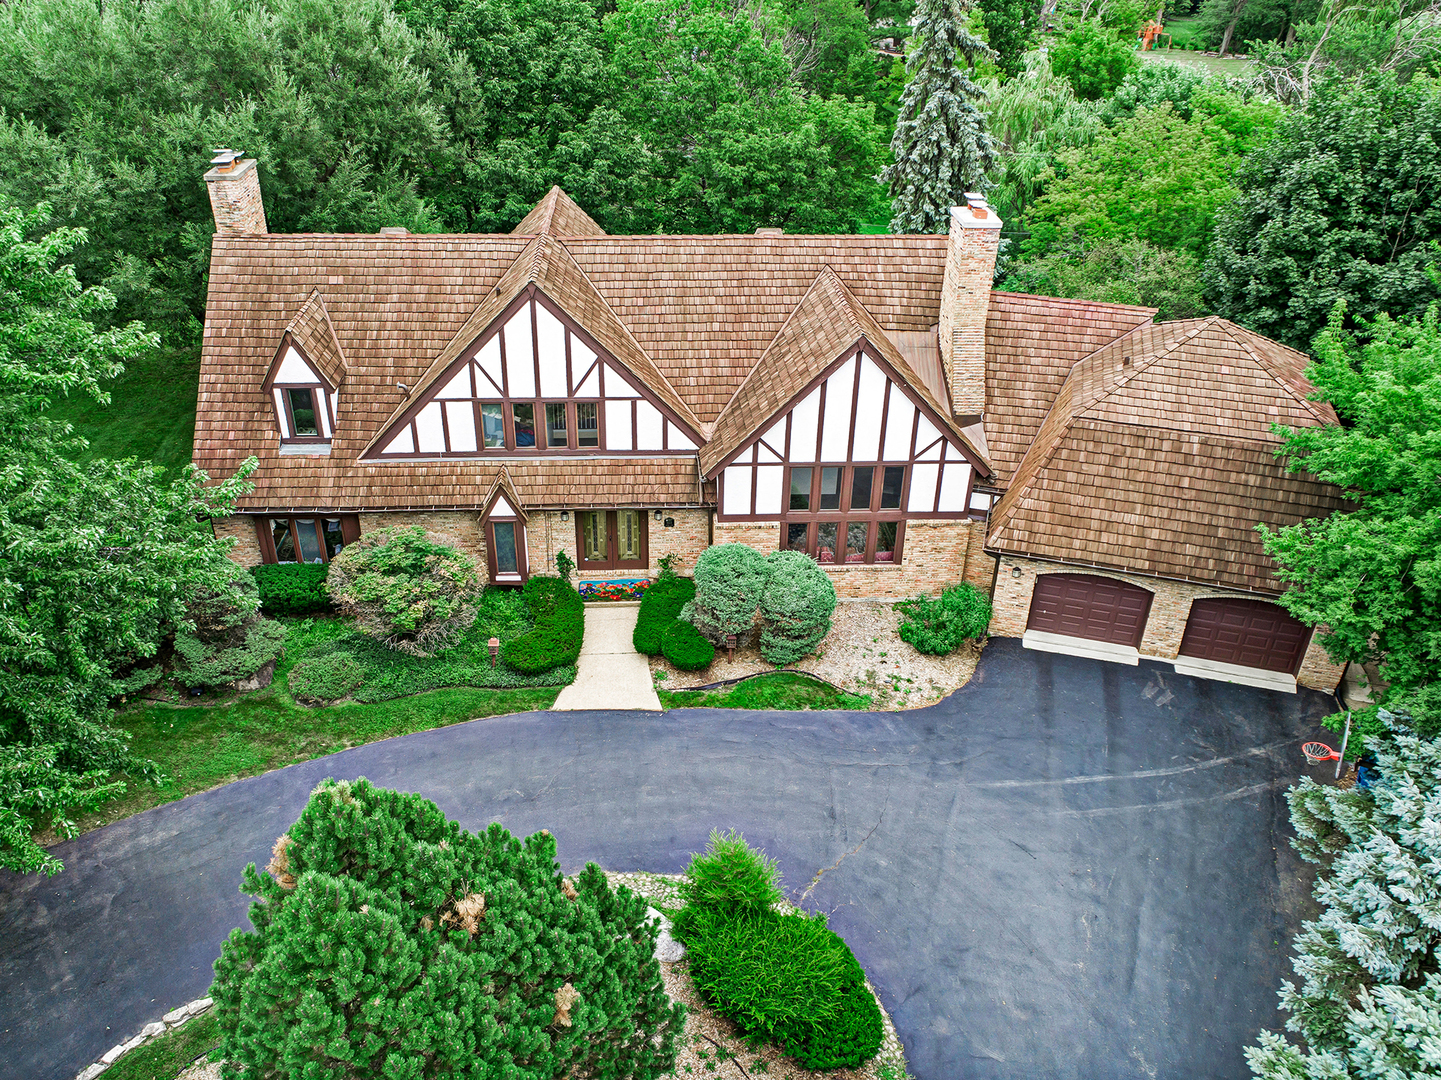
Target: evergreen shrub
226	640
405	590
390	942
796	607
293	588
660	606
328	676
731	879
554	641
939	624
729	580
684	647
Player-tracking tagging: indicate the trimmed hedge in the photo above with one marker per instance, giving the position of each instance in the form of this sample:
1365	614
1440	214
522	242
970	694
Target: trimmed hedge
555	639
659	609
684	647
293	588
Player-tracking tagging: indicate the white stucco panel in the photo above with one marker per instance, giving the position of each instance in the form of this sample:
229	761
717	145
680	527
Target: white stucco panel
737	488
617	425
768	489
293	369
647	426
460	419
430	435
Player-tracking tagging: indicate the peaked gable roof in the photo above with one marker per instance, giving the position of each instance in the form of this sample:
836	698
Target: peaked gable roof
313	332
1178	407
502	487
827	321
558	215
546	265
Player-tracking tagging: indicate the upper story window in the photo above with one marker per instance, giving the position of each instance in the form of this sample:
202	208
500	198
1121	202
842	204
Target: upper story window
534	384
304	401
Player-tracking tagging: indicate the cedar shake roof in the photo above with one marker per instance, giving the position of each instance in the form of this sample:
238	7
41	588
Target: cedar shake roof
828	321
312	331
502	485
1031	344
559	215
1157	457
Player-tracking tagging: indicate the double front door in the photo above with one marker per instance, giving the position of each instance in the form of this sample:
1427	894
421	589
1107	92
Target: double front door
611	539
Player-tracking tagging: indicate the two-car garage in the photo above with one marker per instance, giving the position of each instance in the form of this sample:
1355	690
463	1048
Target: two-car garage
1234	639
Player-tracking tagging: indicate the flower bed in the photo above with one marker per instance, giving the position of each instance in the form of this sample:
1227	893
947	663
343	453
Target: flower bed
599	591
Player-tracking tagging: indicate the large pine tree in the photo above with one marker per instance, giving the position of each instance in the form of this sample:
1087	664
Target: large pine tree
941	145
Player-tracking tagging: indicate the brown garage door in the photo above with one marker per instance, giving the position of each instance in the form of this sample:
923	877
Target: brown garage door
1251	633
1086	606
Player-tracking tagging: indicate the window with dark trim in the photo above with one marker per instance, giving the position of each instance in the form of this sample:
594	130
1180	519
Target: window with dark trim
505	549
309	538
857	515
611	539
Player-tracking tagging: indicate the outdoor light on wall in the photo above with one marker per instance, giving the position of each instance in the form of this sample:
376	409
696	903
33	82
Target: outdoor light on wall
494	644
657	515
565	515
1015	571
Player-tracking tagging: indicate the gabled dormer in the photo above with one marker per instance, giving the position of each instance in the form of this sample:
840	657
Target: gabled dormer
303	381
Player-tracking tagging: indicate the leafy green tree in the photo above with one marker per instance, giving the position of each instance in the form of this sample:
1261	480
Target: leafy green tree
729	582
389	942
941	146
1129	271
1369	1000
1371	577
101	560
1342	204
1157	177
1011	30
1094	58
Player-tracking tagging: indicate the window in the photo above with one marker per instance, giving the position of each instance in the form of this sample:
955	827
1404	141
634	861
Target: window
826	541
830	488
303	420
493	426
891	484
611	539
555	435
861	487
844	514
506	561
800	489
523	417
306	539
587	424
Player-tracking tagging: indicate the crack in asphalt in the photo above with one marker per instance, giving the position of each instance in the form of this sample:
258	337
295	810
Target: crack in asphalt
826	870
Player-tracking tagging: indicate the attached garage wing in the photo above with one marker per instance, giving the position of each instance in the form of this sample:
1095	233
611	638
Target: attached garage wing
1246	633
1090	607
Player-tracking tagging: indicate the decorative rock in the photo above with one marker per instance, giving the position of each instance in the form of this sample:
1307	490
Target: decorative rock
149	1031
667	949
199	1005
92	1072
175	1017
138	1040
111	1056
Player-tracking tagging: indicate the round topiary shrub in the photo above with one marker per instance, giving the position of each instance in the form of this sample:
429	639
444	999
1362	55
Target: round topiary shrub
729	580
326	676
940	624
796	607
684	647
389	942
405	590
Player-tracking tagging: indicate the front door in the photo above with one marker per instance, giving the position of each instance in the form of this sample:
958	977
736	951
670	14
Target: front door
611	539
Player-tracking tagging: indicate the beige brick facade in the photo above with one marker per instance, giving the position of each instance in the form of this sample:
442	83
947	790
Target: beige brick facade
241	529
687	538
965	303
1170	607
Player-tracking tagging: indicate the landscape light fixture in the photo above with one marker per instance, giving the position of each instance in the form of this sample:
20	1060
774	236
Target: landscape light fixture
494	644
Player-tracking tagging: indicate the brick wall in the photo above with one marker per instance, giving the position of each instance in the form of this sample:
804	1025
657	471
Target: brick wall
458	528
687	538
965	301
240	528
1170	607
235	199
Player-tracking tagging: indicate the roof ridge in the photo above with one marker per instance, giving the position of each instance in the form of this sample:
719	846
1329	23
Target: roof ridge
1240	339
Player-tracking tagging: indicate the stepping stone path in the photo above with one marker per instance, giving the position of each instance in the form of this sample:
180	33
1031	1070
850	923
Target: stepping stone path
610	673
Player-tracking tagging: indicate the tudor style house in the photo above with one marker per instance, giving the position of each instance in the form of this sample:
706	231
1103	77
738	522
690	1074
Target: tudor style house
868	400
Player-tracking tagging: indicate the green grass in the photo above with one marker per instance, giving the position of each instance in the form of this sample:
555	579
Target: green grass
1214	64
202	746
151	414
165	1057
783	690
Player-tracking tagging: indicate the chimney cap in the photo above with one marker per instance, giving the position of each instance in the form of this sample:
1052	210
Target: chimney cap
770	231
394	230
225	157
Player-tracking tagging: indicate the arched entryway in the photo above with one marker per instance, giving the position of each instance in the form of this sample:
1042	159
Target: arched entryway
1245	633
1090	607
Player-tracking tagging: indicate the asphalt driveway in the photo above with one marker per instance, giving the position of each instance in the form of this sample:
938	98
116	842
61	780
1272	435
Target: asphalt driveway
1066	869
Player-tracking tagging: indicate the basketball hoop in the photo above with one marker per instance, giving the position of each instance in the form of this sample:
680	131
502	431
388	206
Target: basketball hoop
1317	752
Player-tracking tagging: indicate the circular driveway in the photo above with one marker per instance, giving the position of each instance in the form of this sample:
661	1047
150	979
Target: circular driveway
1068	868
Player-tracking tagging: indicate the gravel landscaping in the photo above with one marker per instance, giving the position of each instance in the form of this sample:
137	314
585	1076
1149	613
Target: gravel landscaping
863	654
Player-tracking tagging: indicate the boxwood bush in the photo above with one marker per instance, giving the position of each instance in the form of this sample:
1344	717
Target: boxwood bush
555	639
684	647
659	608
293	588
938	625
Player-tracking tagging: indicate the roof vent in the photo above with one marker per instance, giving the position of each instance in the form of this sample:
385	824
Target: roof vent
394	230
770	232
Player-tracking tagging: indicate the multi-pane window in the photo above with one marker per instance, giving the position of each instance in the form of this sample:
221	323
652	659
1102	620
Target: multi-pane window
555	427
587	424
310	539
492	425
844	513
506	559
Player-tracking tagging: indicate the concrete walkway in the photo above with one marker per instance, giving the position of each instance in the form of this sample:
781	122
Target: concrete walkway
610	673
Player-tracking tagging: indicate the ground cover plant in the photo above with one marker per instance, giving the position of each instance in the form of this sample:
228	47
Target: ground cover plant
390	942
167	1056
781	690
784	978
941	624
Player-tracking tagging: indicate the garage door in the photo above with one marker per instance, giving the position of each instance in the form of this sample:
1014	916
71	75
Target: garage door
1086	606
1250	633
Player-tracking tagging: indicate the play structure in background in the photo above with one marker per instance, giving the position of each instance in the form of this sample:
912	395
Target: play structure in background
1152	32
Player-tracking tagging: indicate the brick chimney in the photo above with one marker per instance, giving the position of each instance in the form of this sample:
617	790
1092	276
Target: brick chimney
234	184
965	301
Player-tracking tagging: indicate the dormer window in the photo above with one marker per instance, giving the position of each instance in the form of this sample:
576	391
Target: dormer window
304	417
304	401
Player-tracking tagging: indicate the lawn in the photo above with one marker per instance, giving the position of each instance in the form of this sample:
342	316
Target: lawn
204	745
1231	65
168	1054
783	690
151	414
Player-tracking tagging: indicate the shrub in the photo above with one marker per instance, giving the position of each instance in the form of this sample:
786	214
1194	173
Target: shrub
564	564
411	593
939	625
326	676
731	879
502	613
684	647
390	942
555	639
729	580
796	607
227	640
1095	58
659	609
293	588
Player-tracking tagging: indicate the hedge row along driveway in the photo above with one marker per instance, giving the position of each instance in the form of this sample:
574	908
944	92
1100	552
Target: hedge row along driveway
1066	869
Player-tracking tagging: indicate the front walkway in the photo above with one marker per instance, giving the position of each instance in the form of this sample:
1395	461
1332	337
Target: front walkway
610	673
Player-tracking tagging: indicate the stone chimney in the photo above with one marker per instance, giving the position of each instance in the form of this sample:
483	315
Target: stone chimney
965	301
234	185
